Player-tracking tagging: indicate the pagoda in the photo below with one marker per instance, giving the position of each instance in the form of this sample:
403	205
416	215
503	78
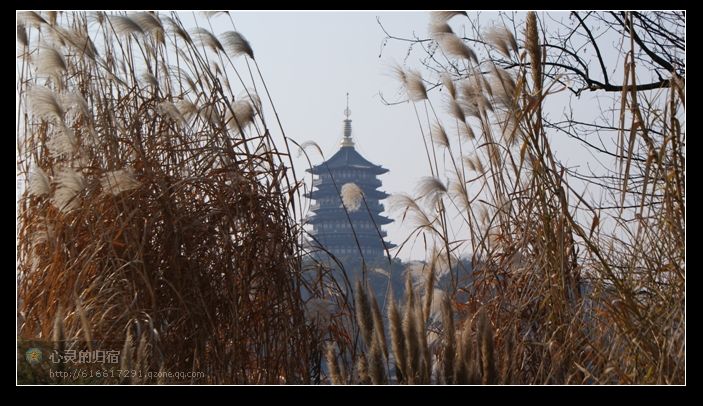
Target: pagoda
334	230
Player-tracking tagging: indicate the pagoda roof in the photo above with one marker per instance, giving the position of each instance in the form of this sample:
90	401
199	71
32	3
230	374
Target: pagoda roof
327	215
329	190
365	241
347	157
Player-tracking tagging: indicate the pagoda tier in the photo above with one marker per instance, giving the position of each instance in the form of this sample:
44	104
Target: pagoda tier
331	190
361	217
325	180
321	208
346	159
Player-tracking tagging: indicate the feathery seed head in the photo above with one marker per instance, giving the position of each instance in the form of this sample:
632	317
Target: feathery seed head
236	44
534	50
116	182
352	196
31	18
415	86
45	104
22	37
448	84
38	182
240	116
455	46
431	189
69	184
502	39
124	25
206	38
444	16
438	29
149	23
439	135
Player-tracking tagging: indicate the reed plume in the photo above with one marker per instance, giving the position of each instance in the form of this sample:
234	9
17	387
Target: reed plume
352	196
534	50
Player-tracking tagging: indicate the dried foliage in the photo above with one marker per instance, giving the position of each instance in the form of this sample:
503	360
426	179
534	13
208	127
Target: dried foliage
570	286
147	217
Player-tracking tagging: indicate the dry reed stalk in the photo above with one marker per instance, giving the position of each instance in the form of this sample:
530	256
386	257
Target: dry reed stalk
397	340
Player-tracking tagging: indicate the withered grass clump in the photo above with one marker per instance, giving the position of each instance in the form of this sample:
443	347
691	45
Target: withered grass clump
579	286
464	357
157	208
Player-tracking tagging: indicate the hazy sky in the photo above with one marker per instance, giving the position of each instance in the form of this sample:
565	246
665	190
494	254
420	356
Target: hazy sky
310	60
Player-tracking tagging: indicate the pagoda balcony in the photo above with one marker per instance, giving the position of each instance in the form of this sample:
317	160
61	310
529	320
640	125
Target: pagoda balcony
371	183
339	218
324	207
327	190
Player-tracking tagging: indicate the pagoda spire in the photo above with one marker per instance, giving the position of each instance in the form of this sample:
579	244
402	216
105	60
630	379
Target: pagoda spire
347	140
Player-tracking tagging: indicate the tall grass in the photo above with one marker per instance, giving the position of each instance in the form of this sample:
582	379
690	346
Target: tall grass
157	208
566	291
422	350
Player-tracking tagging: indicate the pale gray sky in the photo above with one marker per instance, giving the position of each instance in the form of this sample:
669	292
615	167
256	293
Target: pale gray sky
310	60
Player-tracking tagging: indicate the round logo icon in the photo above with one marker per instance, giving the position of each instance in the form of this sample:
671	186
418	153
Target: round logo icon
33	356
